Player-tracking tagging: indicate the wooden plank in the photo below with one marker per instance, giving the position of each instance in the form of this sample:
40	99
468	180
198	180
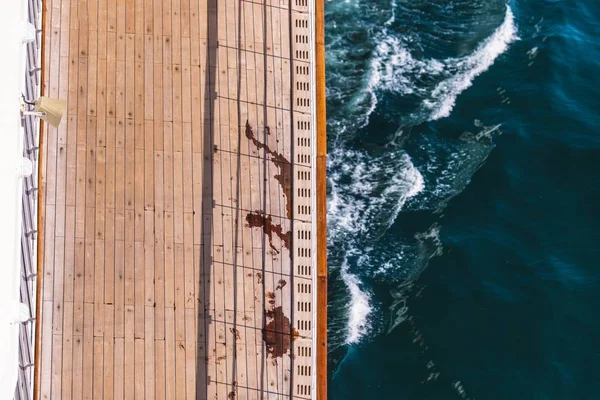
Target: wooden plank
178	196
59	254
159	249
129	272
149	282
77	372
88	293
169	353
176	30
160	383
88	351
109	355
119	371
57	367
139	17
139	194
139	367
177	97
119	288
99	288
197	196
130	376
100	194
101	100
92	69
190	353
98	384
180	376
188	172
158	31
190	284
78	285
149	365
109	259
167	81
139	80
130	12
48	279
149	78
139	289
149	166
169	266
67	352
46	357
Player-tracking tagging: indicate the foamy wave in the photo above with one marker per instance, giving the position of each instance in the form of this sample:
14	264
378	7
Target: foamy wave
394	69
367	193
358	309
444	95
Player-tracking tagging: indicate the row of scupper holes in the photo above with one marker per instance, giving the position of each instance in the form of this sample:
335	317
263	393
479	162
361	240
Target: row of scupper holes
302	70
304	288
302	102
304	158
303	86
304	125
304	175
301	23
303	192
303	54
304	370
304	270
304	325
304	351
304	210
303	252
303	390
304	306
304	235
304	142
301	38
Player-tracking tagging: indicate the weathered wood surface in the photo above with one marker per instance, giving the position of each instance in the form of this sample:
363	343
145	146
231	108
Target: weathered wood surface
177	200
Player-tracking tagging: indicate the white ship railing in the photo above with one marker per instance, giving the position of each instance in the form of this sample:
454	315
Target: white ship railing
19	76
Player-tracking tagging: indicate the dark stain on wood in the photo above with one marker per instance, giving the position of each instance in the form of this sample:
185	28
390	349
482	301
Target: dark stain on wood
285	167
281	284
236	333
257	220
276	333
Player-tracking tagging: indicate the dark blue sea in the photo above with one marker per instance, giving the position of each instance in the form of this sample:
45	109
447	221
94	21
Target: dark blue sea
464	199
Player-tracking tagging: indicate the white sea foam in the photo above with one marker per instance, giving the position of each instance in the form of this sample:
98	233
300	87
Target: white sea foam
367	193
358	309
367	189
444	95
394	69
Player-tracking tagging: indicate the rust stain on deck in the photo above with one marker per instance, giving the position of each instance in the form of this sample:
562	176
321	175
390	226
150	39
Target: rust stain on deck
285	167
281	284
257	220
275	335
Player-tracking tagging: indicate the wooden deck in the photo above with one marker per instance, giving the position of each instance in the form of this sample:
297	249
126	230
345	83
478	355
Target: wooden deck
178	198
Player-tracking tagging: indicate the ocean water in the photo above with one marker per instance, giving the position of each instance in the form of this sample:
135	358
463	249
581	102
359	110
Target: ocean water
464	199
